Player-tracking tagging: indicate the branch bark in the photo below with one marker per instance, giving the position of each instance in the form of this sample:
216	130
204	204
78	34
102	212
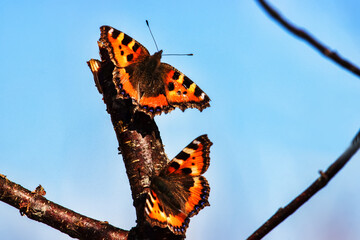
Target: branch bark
309	39
37	207
319	183
139	142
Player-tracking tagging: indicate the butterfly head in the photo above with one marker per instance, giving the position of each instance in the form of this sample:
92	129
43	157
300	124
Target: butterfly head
158	55
154	61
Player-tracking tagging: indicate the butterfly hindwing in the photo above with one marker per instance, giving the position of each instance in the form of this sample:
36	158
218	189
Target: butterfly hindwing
181	91
193	160
199	194
123	86
123	49
127	87
160	215
154	210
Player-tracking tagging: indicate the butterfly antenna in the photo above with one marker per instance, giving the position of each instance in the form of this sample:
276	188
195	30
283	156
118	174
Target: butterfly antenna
178	54
147	23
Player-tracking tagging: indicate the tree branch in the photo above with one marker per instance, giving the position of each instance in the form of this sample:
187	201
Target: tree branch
143	155
311	40
139	142
319	183
37	207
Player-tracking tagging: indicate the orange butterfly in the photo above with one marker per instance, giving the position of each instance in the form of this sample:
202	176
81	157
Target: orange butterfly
179	191
154	87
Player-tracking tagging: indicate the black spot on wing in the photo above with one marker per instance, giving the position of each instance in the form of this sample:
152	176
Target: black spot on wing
135	47
152	195
183	155
176	75
186	170
206	98
115	33
193	146
198	92
161	208
129	57
151	203
171	86
126	40
187	82
175	165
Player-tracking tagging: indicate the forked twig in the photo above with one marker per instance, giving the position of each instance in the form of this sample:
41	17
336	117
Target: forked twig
319	183
308	38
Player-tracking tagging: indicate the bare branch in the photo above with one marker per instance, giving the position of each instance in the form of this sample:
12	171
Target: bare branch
319	183
37	207
311	40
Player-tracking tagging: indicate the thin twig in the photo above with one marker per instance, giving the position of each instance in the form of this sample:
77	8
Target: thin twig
319	183
37	207
311	40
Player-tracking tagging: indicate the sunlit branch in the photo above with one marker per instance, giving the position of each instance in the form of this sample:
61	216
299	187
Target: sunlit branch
308	38
37	207
317	185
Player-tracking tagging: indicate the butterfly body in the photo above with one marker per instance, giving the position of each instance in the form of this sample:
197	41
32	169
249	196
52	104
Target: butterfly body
179	191
147	77
154	86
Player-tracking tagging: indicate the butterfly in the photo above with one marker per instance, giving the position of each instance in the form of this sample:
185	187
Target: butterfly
180	191
153	86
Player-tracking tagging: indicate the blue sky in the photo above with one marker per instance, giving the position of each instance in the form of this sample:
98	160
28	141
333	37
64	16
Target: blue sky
279	111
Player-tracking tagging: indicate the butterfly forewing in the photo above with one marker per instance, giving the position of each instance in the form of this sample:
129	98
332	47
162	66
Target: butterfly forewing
181	91
193	160
123	49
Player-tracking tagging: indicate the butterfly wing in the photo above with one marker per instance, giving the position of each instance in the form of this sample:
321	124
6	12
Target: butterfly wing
180	192
123	85
193	160
123	49
181	91
95	67
154	210
153	103
162	215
